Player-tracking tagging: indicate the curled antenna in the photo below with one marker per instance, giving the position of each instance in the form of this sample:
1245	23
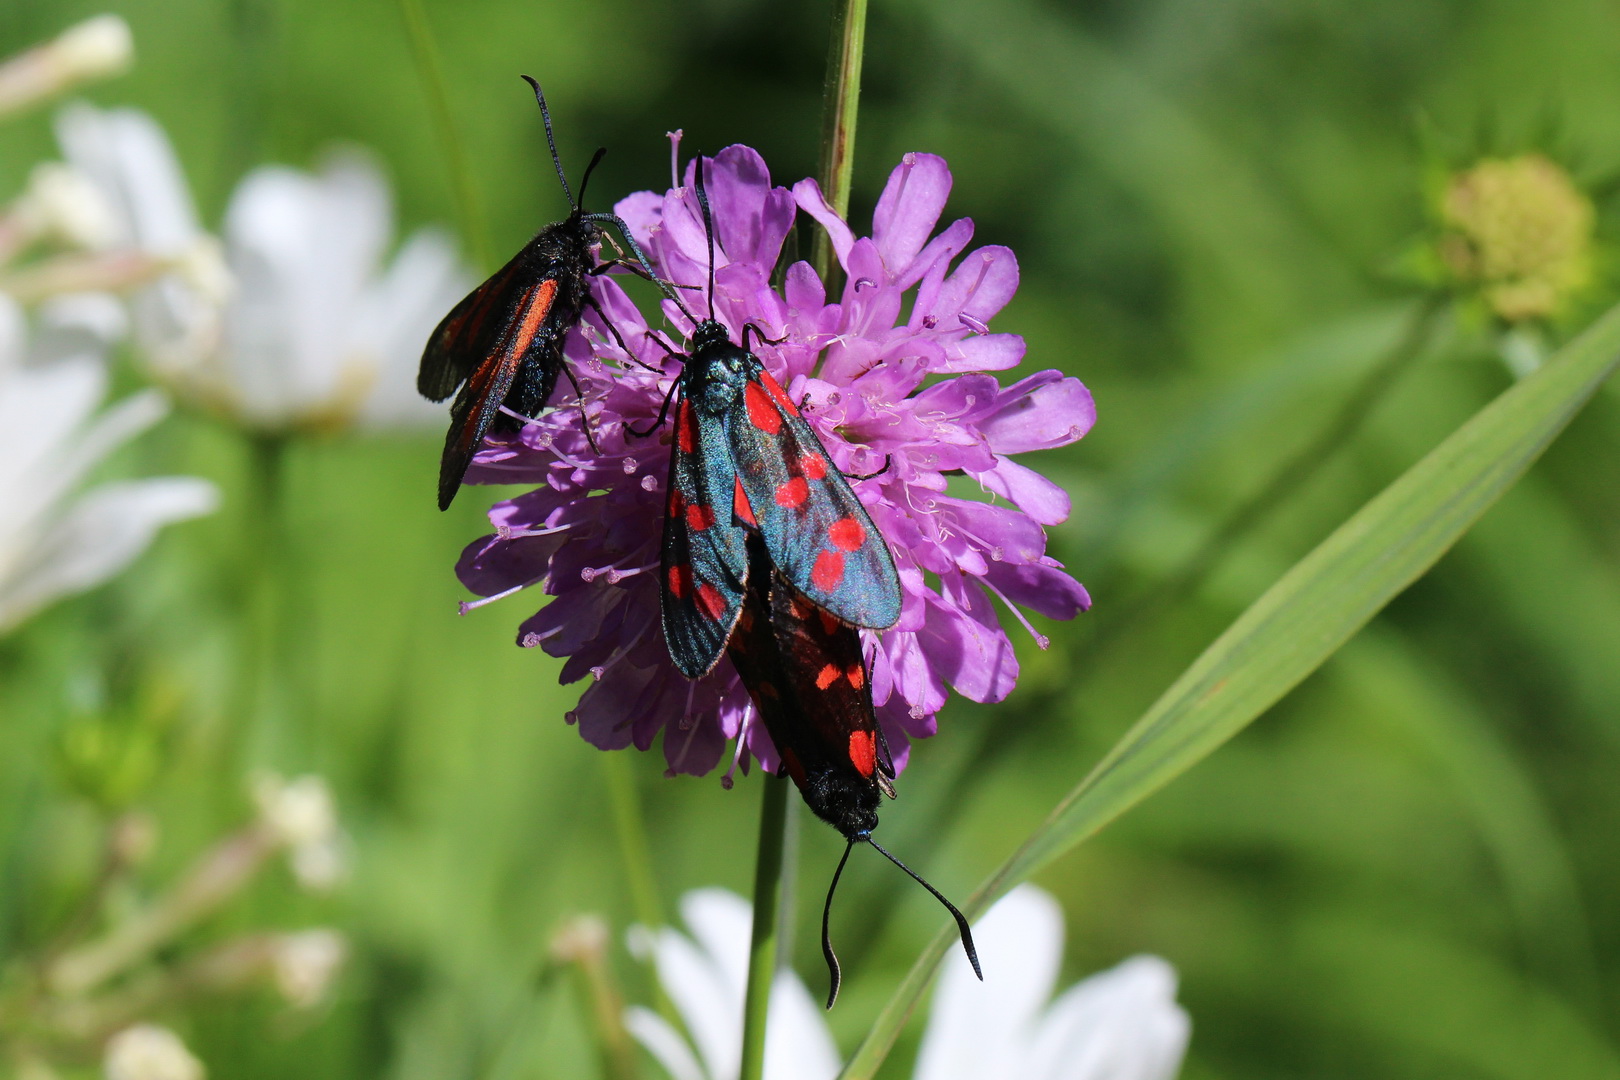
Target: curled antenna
826	938
708	231
551	141
826	913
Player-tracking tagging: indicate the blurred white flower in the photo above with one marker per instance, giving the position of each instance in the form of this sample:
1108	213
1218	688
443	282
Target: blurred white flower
1121	1024
149	1052
313	330
93	49
52	543
304	965
706	979
301	815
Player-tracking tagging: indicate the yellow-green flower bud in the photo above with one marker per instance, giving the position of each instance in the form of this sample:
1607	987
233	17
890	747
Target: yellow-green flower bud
1520	232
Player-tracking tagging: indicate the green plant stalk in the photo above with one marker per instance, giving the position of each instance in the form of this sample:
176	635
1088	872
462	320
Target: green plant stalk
762	940
469	207
840	101
636	855
1294	627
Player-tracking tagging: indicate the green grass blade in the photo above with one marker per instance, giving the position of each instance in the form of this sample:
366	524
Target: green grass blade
1299	622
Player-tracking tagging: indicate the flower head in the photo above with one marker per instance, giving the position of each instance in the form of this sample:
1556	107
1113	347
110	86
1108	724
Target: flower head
1520	232
300	815
94	49
53	543
1120	1024
894	393
304	964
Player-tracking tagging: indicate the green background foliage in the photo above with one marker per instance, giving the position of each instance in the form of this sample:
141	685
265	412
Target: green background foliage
1407	868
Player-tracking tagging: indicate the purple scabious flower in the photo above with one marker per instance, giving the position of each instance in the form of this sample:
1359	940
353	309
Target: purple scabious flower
880	384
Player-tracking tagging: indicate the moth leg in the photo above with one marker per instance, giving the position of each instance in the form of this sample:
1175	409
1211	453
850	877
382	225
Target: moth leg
584	417
617	337
761	335
663	413
888	459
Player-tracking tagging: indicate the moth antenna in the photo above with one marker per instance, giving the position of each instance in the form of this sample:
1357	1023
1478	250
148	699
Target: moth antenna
551	141
708	229
601	152
961	921
826	938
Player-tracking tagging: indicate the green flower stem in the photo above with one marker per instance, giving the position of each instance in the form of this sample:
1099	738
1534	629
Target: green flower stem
762	944
253	731
468	205
841	97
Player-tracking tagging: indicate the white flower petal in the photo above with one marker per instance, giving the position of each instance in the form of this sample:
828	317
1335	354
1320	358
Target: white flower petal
40	409
303	250
393	322
704	998
1121	1024
130	160
798	1045
12	336
78	326
663	1042
100	534
149	1052
979	1030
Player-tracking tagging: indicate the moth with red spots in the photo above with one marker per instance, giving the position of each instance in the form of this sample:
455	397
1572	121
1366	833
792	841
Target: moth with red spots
503	343
744	460
809	683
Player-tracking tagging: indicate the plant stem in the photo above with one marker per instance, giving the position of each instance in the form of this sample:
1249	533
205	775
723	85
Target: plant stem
762	944
426	53
841	97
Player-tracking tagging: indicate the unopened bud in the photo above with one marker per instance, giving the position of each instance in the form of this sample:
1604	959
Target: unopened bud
93	49
149	1052
304	965
1519	232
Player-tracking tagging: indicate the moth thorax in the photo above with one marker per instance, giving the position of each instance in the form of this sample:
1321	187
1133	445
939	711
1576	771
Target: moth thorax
844	800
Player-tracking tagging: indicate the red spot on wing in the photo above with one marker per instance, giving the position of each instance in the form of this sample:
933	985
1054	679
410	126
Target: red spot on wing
857	676
537	306
862	752
828	571
792	493
813	466
827	676
846	534
710	603
677	502
829	622
741	508
685	427
699	517
778	395
762	413
680	581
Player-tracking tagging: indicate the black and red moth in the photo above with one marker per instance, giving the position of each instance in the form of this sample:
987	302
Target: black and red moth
744	460
503	343
809	682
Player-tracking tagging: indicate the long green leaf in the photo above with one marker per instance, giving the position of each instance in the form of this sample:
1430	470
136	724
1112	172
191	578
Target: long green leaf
1299	622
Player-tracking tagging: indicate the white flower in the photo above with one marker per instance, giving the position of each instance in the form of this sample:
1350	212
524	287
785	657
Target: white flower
128	159
1122	1024
301	815
305	963
706	979
52	543
63	204
93	49
313	329
149	1052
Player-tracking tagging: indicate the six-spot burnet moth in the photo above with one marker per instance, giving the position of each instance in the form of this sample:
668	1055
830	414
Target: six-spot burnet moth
503	343
744	459
809	682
